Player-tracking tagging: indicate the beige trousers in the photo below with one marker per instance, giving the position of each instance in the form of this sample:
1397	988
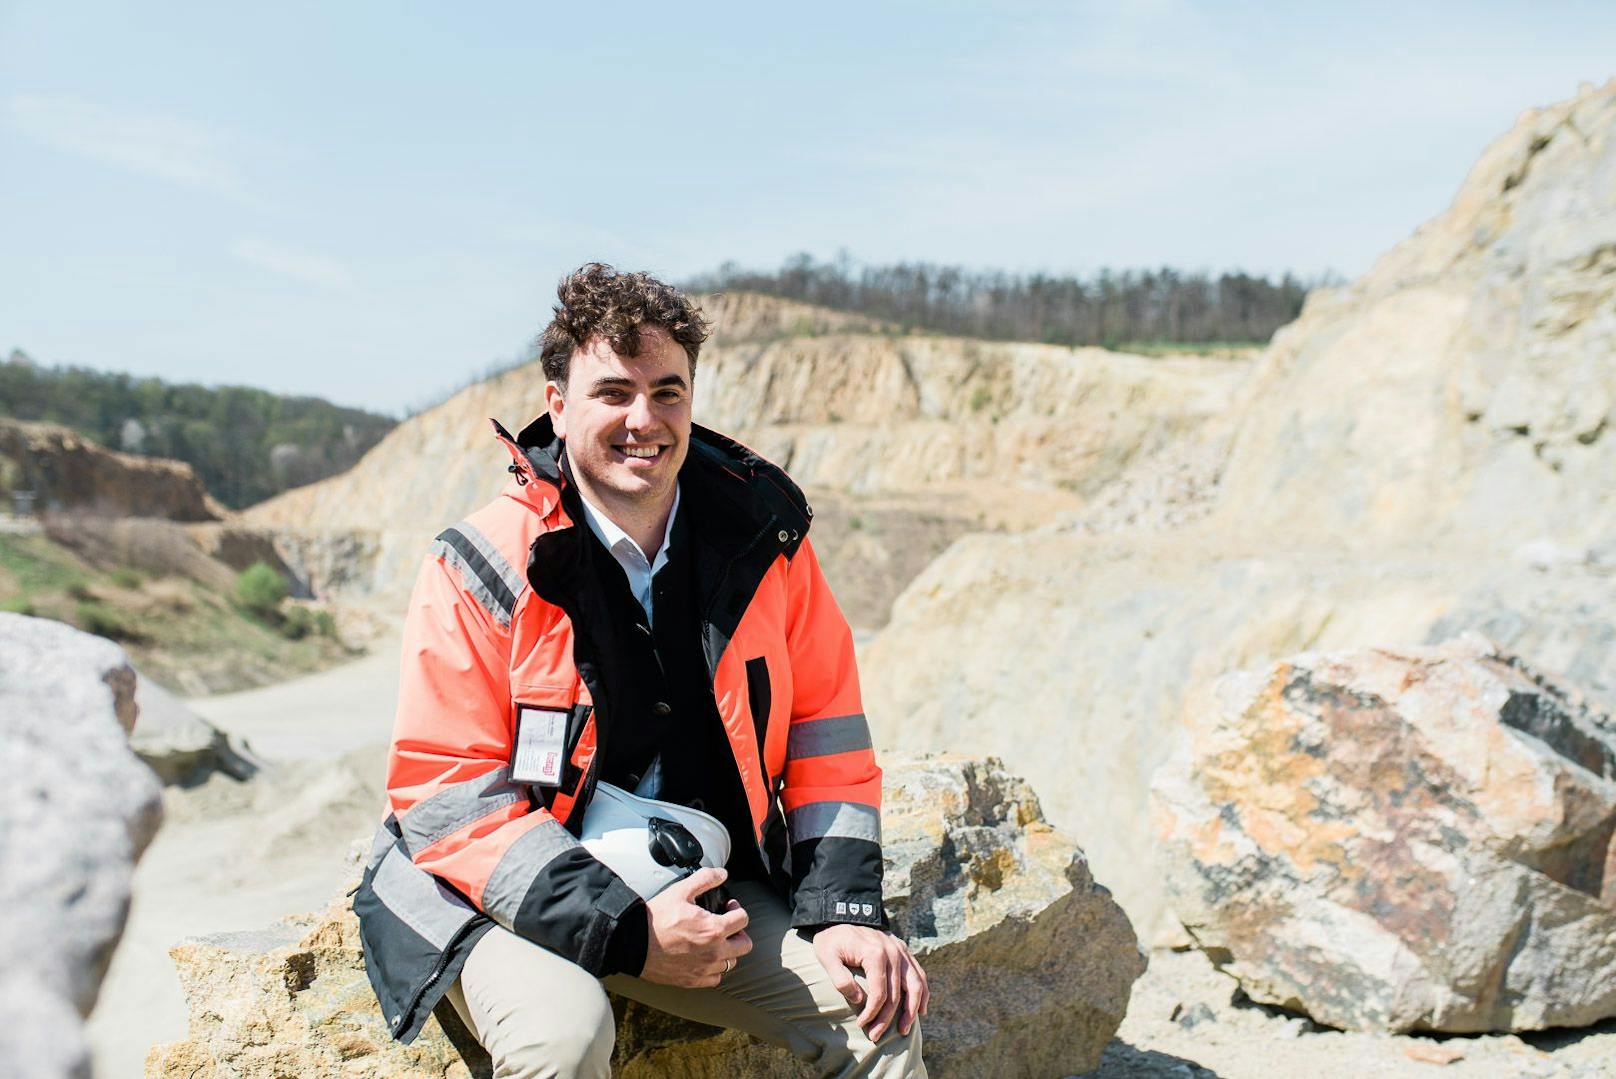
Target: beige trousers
541	1015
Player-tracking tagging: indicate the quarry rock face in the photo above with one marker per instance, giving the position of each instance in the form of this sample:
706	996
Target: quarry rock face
1030	963
838	404
1395	840
76	810
1465	386
1423	452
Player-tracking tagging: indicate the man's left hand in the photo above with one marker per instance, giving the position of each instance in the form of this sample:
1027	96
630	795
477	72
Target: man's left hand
893	976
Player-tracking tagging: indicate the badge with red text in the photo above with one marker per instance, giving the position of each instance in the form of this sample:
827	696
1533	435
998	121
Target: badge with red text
541	746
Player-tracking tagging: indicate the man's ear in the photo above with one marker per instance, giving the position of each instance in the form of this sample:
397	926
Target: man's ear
555	400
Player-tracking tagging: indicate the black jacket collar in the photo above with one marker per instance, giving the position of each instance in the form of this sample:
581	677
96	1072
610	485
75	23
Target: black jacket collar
719	473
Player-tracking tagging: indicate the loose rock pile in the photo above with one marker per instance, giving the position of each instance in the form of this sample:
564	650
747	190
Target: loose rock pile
1417	839
1031	963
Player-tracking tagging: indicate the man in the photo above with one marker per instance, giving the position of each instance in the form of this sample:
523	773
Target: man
640	607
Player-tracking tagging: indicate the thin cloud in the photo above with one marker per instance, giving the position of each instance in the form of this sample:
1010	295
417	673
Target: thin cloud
147	144
302	266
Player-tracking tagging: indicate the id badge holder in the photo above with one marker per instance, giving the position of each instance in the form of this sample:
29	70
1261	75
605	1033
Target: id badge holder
541	746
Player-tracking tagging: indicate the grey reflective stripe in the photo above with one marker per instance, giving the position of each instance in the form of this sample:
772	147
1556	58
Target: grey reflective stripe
822	737
419	899
523	861
452	808
381	843
483	570
824	820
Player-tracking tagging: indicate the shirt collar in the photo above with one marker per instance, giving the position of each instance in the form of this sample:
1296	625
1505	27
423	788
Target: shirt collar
613	537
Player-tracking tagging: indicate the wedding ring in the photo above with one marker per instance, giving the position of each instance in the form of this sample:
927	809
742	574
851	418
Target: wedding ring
729	965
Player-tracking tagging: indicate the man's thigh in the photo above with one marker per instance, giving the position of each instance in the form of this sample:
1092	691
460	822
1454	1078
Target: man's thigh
536	1013
780	993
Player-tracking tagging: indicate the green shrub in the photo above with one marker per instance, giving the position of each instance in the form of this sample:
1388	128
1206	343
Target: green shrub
19	605
80	589
296	623
125	577
260	589
324	624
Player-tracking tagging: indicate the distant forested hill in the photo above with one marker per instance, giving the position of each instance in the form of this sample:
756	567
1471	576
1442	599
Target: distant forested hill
1110	308
246	444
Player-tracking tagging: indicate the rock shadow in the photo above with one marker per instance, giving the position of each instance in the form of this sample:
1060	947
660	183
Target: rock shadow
1124	1061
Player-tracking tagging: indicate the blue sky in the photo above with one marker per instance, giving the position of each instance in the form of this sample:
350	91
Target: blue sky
372	202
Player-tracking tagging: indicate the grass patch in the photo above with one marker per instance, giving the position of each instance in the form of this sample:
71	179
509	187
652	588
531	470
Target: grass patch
127	578
103	621
31	565
179	632
1214	349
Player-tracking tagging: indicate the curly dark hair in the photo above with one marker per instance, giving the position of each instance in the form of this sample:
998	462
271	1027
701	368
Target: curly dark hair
598	301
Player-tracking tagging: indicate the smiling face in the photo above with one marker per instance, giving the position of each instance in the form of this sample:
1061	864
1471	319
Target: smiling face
626	420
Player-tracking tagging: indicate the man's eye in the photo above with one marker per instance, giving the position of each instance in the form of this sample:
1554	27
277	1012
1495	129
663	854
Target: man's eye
670	396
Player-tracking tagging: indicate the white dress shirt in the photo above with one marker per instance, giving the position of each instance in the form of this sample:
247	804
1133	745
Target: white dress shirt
638	568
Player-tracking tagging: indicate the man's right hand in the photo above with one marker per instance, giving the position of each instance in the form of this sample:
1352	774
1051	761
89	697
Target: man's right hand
688	946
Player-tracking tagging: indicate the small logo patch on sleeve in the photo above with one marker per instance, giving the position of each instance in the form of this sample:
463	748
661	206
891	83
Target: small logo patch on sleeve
841	906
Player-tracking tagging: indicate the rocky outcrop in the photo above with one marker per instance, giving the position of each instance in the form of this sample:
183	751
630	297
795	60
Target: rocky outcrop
1400	840
180	746
1030	962
1375	482
67	472
76	810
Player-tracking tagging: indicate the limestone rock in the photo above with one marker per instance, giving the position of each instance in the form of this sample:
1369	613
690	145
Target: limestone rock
1031	963
1087	646
76	810
181	746
1400	840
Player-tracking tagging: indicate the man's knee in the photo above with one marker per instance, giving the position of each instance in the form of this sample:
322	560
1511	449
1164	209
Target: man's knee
556	1043
895	1056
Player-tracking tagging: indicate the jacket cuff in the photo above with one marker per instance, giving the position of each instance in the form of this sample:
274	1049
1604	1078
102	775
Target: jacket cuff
576	907
814	909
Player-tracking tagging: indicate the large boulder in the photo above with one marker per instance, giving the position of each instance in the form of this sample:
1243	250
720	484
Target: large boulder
1031	963
76	810
1396	840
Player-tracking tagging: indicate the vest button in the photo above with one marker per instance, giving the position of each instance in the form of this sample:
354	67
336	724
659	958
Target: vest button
662	708
784	535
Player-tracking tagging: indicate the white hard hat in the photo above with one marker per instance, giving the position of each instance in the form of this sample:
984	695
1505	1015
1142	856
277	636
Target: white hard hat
649	843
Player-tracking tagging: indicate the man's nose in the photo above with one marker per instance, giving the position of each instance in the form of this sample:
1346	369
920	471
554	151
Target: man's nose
639	414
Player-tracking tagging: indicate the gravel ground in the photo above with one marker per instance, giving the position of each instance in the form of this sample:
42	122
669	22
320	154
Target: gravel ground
1187	1021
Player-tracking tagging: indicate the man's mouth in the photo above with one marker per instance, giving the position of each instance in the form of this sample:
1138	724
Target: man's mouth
642	453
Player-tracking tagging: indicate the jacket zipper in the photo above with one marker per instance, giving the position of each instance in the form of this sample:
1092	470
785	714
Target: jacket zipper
438	969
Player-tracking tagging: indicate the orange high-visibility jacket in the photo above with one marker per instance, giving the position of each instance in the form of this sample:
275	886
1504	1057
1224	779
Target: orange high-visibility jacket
493	627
